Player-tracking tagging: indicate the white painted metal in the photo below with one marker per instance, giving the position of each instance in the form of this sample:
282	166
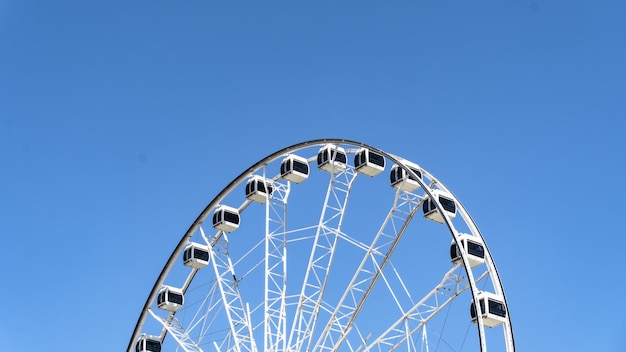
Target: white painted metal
368	272
452	285
275	337
236	311
322	254
228	316
178	333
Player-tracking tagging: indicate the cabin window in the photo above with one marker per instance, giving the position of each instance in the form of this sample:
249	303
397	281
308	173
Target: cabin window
257	185
417	172
162	296
301	167
426	207
358	159
284	167
175	298
322	157
376	159
231	217
447	204
496	308
153	346
454	251
330	155
398	173
475	249
473	307
338	156
263	187
395	175
482	306
195	253
201	254
217	217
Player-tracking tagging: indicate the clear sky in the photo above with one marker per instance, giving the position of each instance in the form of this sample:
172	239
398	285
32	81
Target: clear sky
121	120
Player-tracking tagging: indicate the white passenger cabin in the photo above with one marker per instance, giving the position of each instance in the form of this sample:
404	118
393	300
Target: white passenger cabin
401	179
226	218
447	203
294	169
170	298
492	309
368	162
331	158
473	247
196	255
147	343
259	189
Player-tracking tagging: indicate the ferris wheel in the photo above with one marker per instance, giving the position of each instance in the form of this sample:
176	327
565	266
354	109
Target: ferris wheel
329	245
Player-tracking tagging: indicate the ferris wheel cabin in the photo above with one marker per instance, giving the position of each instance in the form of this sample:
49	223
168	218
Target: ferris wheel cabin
196	255
369	163
147	343
473	248
401	179
447	204
170	298
492	309
258	189
331	158
294	169
226	218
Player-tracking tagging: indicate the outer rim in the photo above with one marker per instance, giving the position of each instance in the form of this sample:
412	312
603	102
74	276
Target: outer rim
397	160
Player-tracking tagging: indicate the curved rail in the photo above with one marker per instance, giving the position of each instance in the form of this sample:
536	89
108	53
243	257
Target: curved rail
395	159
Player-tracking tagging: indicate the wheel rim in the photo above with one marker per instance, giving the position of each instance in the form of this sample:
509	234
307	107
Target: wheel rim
309	273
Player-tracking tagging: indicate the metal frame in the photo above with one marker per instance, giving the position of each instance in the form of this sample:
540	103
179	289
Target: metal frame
310	301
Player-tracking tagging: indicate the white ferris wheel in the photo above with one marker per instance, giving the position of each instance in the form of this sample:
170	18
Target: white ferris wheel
328	245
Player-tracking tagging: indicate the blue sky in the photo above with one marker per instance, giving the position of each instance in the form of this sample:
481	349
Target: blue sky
121	120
